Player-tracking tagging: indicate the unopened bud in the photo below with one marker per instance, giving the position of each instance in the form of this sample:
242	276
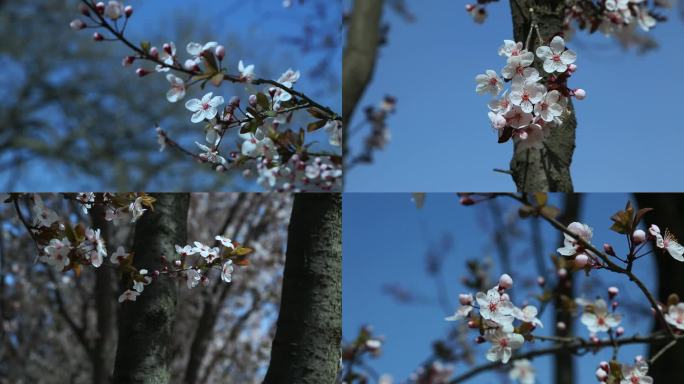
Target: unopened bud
614	305
142	72
541	281
612	292
234	101
85	11
607	248
601	375
480	340
580	94
572	68
469	7
167	48
220	52
638	236
128	11
619	331
177	263
561	326
472	324
191	65
77	24
562	273
581	260
465	299
505	281
466	200
127	61
605	366
97	36
252	100
154	52
100	7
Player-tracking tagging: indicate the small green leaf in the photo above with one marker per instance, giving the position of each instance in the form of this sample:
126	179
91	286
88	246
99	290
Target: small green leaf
263	102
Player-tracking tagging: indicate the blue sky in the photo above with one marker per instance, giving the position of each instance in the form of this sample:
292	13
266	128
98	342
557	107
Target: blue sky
627	139
385	239
256	32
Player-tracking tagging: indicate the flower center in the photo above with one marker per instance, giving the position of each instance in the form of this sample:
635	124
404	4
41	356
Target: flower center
493	81
492	307
601	321
206	106
556	58
503	343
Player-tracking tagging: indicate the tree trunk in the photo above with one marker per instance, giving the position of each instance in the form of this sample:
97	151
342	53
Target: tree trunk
358	62
666	214
564	370
104	304
145	325
546	170
306	348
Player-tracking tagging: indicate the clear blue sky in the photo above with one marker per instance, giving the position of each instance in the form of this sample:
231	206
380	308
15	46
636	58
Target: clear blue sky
385	239
628	138
257	28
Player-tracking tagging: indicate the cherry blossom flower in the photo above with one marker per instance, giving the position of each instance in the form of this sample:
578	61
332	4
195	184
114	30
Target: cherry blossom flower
616	5
599	319
287	79
493	307
645	20
489	82
675	315
501	105
136	209
522	371
193	277
43	216
517	118
526	95
186	250
205	108
57	253
549	107
117	256
210	155
168	56
114	10
257	144
528	315
570	245
497	119
636	374
556	57
138	286
209	253
227	270
516	65
511	48
503	344
129	295
668	243
226	242
196	49
246	72
177	91
334	130
86	199
97	255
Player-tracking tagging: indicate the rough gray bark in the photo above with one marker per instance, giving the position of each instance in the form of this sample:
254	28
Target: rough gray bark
564	369
104	301
547	170
145	325
306	348
667	213
358	62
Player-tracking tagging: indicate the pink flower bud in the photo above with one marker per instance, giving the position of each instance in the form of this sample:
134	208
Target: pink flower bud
541	281
191	65
612	292
505	281
472	324
77	24
97	36
465	299
234	101
607	248
580	94
562	273
581	260
572	68
619	331
605	366
154	52
601	375
638	236
466	200
100	7
252	100
127	61
220	52
128	11
167	48
85	11
561	326
469	7
177	263
505	297
594	339
155	273
142	72
480	340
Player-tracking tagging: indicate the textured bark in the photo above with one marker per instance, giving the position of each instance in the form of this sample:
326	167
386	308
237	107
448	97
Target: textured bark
358	62
564	369
306	348
667	213
104	302
145	325
547	170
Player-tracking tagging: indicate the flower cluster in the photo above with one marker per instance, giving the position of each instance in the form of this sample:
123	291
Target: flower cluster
495	322
265	146
615	372
222	257
535	102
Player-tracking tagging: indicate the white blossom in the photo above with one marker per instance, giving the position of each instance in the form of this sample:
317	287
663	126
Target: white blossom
206	108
